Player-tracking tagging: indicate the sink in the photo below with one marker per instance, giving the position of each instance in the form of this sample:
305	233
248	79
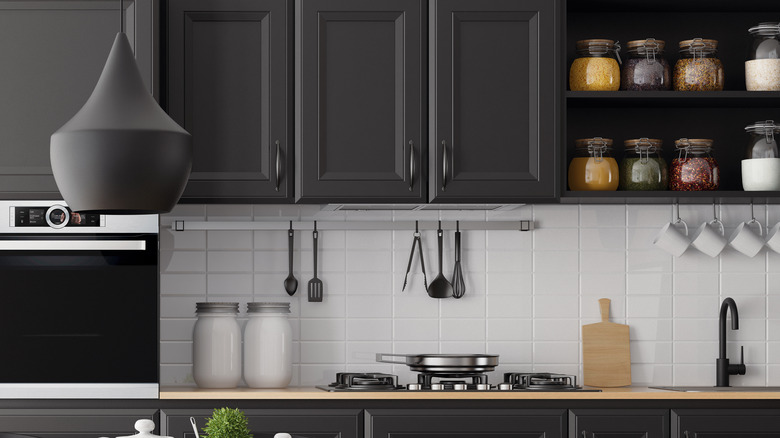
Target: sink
717	389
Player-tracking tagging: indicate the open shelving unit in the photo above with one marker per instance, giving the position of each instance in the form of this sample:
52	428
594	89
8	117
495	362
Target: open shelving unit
669	115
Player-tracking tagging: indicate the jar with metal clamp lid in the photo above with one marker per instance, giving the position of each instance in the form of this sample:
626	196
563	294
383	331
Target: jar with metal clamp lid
596	67
646	67
694	168
593	167
761	166
642	167
762	69
698	68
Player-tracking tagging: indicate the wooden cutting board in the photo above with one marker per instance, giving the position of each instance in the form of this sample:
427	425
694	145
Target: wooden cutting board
606	355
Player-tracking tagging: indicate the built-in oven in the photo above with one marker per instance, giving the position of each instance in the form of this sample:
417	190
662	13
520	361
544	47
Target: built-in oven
79	303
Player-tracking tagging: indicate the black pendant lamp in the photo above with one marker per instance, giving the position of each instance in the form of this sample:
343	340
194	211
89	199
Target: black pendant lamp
121	153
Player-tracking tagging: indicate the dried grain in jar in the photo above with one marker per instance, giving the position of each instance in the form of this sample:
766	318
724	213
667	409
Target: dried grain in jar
762	69
698	68
596	67
646	67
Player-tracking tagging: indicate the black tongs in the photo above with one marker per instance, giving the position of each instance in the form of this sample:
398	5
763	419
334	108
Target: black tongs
418	243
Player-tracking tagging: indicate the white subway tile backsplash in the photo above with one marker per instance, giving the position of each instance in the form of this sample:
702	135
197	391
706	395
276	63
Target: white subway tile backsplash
528	293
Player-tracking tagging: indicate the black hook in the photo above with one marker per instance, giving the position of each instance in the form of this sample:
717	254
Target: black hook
416	226
315	225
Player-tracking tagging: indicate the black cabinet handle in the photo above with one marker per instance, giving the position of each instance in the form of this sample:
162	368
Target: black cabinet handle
584	434
411	164
278	165
685	434
445	165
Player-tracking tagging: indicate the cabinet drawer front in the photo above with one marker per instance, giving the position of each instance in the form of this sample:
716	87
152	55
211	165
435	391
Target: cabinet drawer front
731	423
619	423
359	73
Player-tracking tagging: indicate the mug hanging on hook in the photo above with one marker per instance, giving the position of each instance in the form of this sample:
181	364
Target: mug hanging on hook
745	240
670	239
707	238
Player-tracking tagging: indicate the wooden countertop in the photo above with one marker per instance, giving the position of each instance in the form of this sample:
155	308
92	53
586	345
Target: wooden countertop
310	393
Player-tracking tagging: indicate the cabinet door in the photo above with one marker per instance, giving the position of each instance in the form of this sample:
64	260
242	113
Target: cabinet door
731	423
619	423
466	423
74	423
359	101
53	54
300	423
228	86
494	100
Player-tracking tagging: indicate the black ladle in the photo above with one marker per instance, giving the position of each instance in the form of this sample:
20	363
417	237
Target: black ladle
440	287
290	283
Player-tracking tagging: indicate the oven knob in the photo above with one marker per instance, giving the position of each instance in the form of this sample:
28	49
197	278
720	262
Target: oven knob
437	387
57	216
483	387
505	386
459	386
414	387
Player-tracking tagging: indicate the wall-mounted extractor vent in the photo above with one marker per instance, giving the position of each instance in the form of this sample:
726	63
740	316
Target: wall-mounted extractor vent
421	207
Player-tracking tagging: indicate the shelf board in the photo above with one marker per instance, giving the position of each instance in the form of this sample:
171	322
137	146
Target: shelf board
668	196
693	99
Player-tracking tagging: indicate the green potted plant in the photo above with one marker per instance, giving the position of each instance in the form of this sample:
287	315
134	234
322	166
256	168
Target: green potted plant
227	423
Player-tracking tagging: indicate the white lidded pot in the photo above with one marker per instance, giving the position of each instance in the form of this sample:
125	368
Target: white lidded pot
144	428
216	346
268	346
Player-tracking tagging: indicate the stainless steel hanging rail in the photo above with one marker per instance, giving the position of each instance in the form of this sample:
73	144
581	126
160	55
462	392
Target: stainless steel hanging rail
521	225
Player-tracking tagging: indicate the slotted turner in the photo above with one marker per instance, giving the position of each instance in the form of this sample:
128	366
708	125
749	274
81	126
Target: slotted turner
315	284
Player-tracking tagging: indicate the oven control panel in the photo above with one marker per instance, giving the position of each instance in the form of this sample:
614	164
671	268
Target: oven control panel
56	216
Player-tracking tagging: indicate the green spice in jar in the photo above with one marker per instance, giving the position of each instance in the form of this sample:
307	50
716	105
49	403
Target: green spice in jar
698	68
643	168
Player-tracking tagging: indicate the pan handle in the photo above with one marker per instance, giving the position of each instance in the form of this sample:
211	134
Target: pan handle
380	357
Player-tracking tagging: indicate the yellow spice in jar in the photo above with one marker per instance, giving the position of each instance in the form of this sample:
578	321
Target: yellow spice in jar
594	74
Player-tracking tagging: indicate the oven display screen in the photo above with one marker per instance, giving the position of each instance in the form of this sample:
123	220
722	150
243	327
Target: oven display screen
36	217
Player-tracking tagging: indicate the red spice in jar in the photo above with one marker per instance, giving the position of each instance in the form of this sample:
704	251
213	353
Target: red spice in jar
694	174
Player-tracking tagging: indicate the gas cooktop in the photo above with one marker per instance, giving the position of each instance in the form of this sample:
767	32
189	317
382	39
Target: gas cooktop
378	382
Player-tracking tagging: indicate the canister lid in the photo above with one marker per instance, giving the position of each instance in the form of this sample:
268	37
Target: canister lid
683	143
763	126
268	307
584	44
765	28
216	307
585	143
646	44
698	44
644	143
144	428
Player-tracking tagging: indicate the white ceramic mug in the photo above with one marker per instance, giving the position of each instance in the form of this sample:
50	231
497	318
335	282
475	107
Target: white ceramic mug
773	238
671	240
744	240
709	241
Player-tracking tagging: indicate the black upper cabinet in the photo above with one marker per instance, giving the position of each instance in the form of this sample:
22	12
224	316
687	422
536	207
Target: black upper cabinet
466	423
359	93
229	85
494	100
53	54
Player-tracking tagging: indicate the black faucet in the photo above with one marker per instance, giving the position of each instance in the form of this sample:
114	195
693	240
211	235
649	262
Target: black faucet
724	370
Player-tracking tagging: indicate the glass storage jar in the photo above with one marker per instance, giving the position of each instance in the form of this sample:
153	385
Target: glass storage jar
593	167
646	67
268	346
698	68
761	166
596	66
642	167
216	346
694	169
762	69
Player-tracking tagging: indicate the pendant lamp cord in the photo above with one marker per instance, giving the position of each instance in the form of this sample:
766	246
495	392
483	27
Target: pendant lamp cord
122	16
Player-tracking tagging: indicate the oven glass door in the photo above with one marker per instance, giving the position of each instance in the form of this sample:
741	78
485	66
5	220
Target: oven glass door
79	309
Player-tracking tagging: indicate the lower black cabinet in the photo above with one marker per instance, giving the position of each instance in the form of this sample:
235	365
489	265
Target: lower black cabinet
74	423
731	423
466	423
619	423
265	423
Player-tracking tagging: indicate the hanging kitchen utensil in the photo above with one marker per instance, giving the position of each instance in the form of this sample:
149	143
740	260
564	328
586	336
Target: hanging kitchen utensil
315	284
290	283
444	363
417	242
458	284
440	287
194	427
606	354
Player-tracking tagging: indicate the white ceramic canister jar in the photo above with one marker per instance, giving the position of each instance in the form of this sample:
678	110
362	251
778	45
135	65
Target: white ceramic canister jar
268	346
216	346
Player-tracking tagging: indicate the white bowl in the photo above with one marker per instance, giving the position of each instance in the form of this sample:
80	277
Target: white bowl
759	174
